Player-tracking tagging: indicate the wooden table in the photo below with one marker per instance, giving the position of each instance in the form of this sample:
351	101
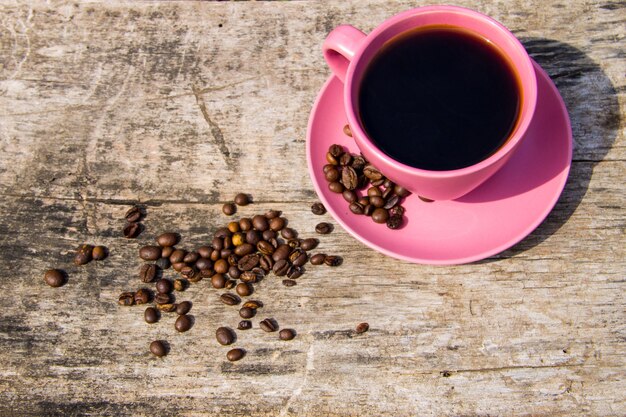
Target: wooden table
178	106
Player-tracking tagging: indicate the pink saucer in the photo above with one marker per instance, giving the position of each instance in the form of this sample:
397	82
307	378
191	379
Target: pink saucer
490	219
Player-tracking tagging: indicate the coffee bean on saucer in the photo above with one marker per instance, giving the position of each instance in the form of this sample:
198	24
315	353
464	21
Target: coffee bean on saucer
394	222
350	196
324	228
380	215
332	174
54	278
391	201
368	210
345	159
377	201
242	199
335	187
400	191
157	348
229	209
335	150
224	336
356	208
318	209
287	334
349	178
183	323
234	355
362	327
331	159
347	131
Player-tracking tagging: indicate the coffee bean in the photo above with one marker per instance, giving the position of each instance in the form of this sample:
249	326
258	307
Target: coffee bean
298	257
162	298
178	266
265	247
391	201
336	150
218	281
167	307
133	214
224	336
248	262
332	174
358	163
225	253
318	208
234	272
164	286
260	223
150	253
309	244
167	239
277	223
229	209
401	191
369	210
242	199
151	315
345	160
83	254
163	263
324	228
228	242
238	239
268	235
203	263
245	224
131	230
282	252
356	208
287	334
157	348
347	131
234	355
374	192
243	289
362	327
266	263
98	253
335	187
270	214
217	243
191	257
244	249
332	260
221	266
372	173
268	325
233	227
281	267
177	256
331	159
246	313
388	193
425	199
54	277
317	259
222	232
295	272
394	222
349	178
364	201
377	201
148	272
380	215
249	276
288	233
183	323
126	299
350	196
142	296
183	308
244	325
255	304
252	237
230	299
180	284
289	282
294	243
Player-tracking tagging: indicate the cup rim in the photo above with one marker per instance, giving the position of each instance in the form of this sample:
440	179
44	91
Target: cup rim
530	95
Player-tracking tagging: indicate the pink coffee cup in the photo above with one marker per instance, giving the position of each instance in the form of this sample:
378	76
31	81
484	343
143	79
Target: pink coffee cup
348	51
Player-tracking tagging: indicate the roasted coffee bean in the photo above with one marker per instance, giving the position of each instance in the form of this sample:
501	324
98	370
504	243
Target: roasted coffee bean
191	257
177	256
242	199
391	201
183	323
277	223
244	325
255	304
164	286
258	271
234	272
289	282
221	266
388	193
133	214
281	267
397	211
356	208
309	244
364	201
332	174
358	163
295	272
335	187
266	263
362	327
245	224
345	159
270	214
377	201
287	334
98	253
327	168
54	277
224	336
183	308
215	255
167	239
83	254
151	315
336	150
190	273
260	223
378	183
230	299
380	215
142	296
374	191
205	251
180	284
233	227
162	298
234	355
230	284
248	262
126	299
222	232
298	257
317	259
288	233
163	263
331	159
369	210
218	281
265	247
229	209
225	253
178	266
268	325
204	263
232	260
131	230
167	251
332	260
268	235
249	276
246	313
350	196
394	222
294	243
238	239
425	199
243	289
150	253
252	237
244	249
166	308
228	242
347	131
205	273
318	208
324	228
148	272
217	243
157	348
401	191
372	173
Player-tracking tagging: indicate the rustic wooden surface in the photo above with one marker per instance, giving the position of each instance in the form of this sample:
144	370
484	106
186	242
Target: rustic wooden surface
178	106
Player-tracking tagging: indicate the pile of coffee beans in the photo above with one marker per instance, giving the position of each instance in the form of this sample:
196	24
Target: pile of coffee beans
364	187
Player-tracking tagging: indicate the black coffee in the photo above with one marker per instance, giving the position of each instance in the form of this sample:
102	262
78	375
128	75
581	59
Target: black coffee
439	98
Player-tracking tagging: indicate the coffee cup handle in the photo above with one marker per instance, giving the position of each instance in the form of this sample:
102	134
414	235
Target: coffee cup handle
339	48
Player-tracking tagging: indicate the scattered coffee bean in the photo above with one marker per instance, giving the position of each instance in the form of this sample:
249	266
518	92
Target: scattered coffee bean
242	199
177	256
54	277
309	244
150	253
180	284
362	327
178	266
317	259
281	268
255	304
238	239
246	312
221	266
162	298
243	289
287	334
324	228
394	222
249	277
183	308
183	323
230	284
142	296
230	299
131	230
163	263
167	307
167	239
270	214
277	223
224	336
157	348
229	209
332	260
244	325
133	214
148	272
295	272
249	261
234	355
347	131
318	209
260	223
151	315
126	299
83	254
98	253
268	325
288	233
289	282
298	257
218	281
164	286
265	247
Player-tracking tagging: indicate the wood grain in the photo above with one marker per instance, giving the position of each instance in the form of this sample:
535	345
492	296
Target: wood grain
178	106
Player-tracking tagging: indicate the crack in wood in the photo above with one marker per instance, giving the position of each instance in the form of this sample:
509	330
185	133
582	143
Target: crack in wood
216	132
